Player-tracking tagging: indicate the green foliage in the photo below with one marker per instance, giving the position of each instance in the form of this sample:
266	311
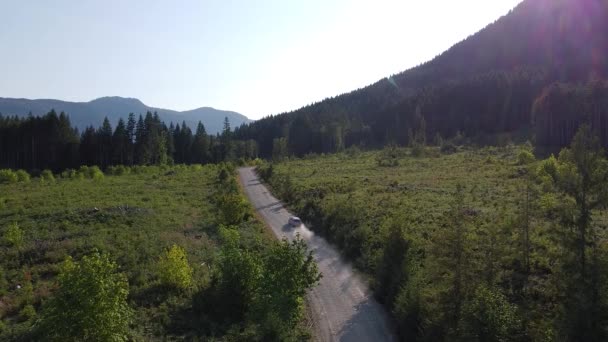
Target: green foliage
8	176
448	148
525	157
22	176
90	303
490	317
389	157
132	218
500	260
548	167
118	170
91	172
28	312
174	269
289	271
14	236
264	288
232	209
47	176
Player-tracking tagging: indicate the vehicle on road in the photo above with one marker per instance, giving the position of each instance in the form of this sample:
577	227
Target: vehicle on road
295	221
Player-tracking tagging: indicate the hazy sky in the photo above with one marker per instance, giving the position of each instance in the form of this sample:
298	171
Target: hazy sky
256	57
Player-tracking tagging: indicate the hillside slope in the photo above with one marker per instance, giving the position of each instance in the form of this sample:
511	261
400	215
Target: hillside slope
84	114
482	86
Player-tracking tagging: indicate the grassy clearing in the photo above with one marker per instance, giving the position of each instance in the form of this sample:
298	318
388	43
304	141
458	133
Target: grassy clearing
420	188
134	218
495	260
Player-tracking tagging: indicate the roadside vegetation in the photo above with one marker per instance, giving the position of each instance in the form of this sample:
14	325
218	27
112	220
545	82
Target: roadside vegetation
464	243
143	253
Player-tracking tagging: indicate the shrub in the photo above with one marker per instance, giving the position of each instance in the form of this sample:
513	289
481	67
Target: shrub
118	170
490	317
196	167
27	313
8	176
418	150
14	235
448	148
352	151
72	174
89	304
23	176
548	167
525	157
174	268
47	176
233	209
95	173
388	157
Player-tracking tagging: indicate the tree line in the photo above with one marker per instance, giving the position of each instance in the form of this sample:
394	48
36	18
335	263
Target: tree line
50	142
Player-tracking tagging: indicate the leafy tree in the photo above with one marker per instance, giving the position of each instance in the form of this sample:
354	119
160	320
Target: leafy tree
289	272
90	303
174	268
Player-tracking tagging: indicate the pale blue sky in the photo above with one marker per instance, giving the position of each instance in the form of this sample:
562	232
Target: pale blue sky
255	57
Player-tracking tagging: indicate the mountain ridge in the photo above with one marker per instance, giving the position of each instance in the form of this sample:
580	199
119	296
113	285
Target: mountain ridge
83	114
482	86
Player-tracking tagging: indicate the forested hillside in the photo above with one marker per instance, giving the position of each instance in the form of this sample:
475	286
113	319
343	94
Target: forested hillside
483	87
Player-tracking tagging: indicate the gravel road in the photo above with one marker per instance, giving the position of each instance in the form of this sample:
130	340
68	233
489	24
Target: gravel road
342	306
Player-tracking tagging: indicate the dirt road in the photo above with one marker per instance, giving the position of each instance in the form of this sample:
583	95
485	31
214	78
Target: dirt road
342	305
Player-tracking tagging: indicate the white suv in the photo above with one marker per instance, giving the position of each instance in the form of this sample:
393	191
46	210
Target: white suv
295	221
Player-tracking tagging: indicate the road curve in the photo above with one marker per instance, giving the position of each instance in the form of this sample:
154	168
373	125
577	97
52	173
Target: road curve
342	305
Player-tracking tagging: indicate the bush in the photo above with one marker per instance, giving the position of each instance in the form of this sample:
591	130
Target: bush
47	176
490	317
27	313
418	150
174	268
525	157
352	151
233	209
72	174
8	176
118	170
388	157
90	303
448	148
23	176
196	167
95	173
548	167
14	235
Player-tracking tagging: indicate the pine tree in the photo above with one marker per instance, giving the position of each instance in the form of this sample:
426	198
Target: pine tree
130	139
200	145
120	143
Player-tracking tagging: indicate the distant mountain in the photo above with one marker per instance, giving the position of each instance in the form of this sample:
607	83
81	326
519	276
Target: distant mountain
84	114
482	87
